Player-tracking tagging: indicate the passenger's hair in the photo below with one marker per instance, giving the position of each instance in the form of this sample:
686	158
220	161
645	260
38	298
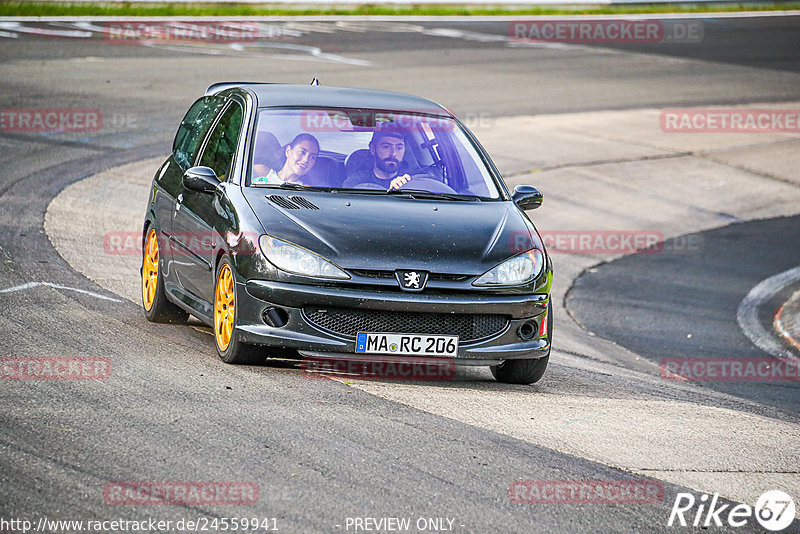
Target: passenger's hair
304	137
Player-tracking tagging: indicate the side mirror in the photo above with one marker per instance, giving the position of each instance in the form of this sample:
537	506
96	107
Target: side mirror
527	197
202	179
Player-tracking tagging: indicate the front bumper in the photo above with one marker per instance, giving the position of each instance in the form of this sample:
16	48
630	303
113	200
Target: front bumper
255	296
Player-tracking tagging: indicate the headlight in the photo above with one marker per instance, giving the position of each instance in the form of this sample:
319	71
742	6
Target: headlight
516	271
294	259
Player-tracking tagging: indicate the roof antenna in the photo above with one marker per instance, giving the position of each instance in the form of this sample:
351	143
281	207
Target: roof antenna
315	81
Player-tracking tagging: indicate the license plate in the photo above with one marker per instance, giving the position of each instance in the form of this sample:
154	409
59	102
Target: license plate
407	344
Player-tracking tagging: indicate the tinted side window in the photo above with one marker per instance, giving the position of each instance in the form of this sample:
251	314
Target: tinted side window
222	142
194	128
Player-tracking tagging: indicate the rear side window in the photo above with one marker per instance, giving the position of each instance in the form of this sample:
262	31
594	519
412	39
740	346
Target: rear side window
218	153
193	129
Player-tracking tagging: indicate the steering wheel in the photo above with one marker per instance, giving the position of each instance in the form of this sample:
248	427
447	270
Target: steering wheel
425	182
421	181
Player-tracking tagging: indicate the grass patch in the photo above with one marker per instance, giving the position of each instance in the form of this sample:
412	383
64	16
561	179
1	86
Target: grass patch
125	9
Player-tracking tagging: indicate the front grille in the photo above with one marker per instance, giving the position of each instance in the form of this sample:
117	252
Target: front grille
372	273
438	277
349	322
441	277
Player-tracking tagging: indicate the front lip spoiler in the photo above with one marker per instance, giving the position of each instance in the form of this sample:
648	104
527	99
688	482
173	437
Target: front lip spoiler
299	295
378	358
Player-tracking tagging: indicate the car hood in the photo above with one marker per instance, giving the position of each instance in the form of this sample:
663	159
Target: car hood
388	233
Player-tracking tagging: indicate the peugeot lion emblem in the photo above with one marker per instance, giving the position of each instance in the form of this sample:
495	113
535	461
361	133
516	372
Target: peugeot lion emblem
412	280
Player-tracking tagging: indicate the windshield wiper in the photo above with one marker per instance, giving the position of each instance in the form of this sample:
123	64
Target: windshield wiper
412	193
422	193
293	186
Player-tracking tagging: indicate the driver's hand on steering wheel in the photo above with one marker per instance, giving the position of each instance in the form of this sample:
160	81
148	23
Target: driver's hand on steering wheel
398	181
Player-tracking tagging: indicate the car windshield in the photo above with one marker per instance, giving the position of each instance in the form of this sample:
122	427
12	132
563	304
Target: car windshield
368	151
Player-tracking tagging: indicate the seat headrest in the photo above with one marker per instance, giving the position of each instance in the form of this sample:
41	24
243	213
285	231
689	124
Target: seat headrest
361	158
268	151
324	173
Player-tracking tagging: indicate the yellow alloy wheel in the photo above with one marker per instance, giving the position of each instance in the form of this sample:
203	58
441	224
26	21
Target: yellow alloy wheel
224	305
150	270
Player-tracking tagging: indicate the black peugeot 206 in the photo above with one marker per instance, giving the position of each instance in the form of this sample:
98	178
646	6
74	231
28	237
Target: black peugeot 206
345	223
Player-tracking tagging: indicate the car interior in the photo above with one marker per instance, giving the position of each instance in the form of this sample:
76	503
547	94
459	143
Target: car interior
331	168
437	155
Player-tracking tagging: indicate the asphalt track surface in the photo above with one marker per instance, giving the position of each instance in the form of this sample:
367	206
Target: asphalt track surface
669	298
319	450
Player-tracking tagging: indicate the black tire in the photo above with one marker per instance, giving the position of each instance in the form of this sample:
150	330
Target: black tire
161	309
526	371
236	352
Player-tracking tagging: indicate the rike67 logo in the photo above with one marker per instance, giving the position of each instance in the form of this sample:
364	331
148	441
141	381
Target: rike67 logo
774	511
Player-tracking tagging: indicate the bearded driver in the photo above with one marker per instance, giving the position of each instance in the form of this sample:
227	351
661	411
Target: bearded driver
387	149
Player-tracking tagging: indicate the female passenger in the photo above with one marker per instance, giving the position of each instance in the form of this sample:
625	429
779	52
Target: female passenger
301	154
